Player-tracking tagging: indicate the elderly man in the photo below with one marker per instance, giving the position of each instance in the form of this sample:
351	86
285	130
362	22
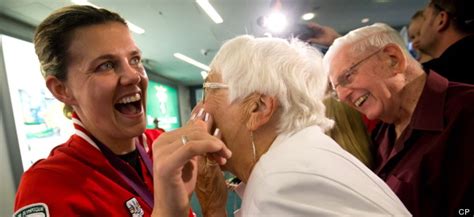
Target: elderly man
424	145
448	35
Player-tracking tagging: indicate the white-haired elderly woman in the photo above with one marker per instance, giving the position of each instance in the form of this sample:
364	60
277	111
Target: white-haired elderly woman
265	97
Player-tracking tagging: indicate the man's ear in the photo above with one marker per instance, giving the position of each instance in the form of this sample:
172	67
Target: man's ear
442	21
261	111
396	57
59	90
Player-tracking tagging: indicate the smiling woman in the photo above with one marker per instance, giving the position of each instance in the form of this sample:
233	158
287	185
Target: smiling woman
91	63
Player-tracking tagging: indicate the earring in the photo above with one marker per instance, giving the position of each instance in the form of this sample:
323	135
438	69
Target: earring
253	147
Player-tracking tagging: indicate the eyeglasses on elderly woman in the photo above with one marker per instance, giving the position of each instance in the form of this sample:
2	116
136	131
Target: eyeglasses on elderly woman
212	85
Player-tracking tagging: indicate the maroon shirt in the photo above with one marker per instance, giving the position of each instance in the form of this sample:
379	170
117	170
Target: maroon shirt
430	166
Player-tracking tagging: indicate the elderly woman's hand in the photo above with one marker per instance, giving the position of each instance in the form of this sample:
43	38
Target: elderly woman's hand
211	188
175	163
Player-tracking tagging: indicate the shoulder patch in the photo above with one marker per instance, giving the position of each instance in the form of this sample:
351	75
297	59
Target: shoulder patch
33	210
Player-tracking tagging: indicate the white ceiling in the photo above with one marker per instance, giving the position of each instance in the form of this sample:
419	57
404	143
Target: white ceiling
181	26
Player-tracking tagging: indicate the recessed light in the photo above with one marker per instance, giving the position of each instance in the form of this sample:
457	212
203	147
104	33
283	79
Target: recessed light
275	22
308	16
365	20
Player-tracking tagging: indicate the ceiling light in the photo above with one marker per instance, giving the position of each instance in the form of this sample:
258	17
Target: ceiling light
84	2
275	22
191	61
134	28
204	75
365	20
210	11
307	16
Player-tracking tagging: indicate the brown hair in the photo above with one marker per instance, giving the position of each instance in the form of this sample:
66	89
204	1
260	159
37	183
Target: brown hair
53	37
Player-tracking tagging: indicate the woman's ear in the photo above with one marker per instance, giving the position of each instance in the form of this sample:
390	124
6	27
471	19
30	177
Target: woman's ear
261	110
59	90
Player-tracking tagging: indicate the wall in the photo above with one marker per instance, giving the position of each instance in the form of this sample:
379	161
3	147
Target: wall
7	185
10	162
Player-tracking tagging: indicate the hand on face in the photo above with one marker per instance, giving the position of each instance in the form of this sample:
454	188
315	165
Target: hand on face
175	162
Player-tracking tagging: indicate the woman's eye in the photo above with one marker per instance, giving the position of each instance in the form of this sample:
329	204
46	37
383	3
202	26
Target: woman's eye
105	66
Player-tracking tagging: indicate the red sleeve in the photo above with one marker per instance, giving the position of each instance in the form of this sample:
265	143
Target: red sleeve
49	194
152	134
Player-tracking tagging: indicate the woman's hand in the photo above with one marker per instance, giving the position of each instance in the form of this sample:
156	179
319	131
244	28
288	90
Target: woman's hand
175	164
211	189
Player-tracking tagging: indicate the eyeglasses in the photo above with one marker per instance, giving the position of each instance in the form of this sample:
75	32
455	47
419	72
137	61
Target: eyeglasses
346	77
212	85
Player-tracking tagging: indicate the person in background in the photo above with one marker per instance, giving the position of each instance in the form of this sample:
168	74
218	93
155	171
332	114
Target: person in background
324	35
91	63
447	34
349	130
265	96
414	35
424	145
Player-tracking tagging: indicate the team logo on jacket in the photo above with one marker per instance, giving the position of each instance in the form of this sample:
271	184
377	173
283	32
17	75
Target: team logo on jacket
33	210
134	207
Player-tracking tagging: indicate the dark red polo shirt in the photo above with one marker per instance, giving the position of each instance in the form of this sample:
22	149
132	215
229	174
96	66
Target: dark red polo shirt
430	166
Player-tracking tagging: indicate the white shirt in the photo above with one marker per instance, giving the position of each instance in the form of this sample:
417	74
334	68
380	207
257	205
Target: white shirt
309	174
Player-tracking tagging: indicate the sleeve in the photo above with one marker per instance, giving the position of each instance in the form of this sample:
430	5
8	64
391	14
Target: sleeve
41	192
150	135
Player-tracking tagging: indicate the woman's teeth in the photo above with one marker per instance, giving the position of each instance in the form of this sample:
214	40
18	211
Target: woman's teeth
130	99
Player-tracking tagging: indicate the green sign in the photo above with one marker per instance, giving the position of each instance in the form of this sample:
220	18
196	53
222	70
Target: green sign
162	105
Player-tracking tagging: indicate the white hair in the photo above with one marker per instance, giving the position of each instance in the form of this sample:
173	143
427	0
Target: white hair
290	71
365	39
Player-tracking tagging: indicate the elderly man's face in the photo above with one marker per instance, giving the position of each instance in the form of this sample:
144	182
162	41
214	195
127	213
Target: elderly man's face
228	117
359	81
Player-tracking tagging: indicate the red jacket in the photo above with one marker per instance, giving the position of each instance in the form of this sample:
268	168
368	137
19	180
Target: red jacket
77	180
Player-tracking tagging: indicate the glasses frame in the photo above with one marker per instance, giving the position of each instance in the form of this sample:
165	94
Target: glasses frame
343	79
212	85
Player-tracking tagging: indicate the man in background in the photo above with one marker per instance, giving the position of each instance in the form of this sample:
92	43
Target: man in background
447	34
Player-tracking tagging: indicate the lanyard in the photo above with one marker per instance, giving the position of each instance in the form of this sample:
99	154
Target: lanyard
126	171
